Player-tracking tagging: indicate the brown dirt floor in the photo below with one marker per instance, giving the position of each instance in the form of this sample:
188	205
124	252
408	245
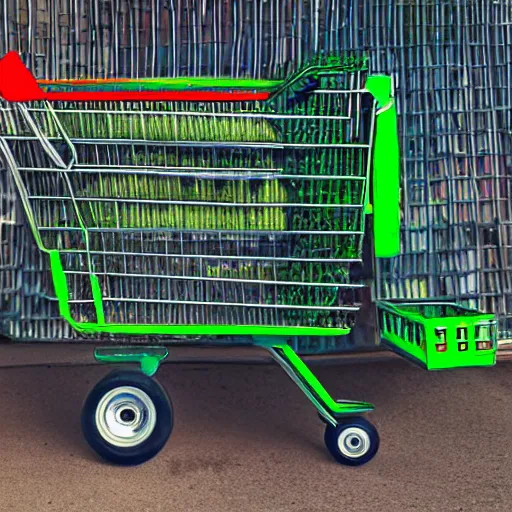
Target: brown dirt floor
245	439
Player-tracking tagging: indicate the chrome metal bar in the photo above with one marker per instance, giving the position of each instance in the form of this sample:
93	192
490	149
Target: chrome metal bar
221	257
197	203
229	304
239	232
242	115
219	279
341	91
322	409
207	174
210	144
219	231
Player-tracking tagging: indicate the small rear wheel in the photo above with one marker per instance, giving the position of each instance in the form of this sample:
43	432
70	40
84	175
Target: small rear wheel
127	418
352	442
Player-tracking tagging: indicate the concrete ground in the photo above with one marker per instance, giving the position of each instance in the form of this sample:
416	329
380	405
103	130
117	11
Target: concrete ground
245	439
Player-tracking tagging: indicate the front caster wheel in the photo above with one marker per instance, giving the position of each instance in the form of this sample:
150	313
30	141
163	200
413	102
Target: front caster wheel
352	442
127	418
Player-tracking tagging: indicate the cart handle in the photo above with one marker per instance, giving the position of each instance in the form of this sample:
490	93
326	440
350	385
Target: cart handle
386	169
17	84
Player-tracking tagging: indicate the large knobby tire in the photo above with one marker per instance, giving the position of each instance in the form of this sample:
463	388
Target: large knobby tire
352	442
127	418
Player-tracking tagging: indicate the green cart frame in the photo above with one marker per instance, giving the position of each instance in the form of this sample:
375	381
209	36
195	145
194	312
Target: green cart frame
273	176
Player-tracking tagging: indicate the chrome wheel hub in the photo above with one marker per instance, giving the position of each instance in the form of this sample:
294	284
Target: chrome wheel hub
125	416
354	442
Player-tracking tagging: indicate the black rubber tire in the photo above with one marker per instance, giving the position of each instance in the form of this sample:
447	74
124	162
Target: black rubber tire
331	441
128	456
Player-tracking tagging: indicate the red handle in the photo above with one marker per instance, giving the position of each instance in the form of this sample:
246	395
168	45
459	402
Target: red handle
17	84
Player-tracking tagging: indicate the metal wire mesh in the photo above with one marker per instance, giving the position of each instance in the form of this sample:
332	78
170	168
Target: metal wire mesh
452	64
452	68
202	214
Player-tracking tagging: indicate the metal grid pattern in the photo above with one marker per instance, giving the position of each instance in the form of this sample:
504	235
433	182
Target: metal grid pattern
452	68
202	214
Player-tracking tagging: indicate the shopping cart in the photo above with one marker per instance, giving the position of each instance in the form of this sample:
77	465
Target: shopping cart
192	207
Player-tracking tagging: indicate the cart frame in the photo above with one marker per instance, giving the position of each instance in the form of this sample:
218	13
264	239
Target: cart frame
351	441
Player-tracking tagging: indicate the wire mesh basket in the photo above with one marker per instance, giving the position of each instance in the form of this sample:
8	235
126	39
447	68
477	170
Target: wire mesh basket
450	65
438	335
232	207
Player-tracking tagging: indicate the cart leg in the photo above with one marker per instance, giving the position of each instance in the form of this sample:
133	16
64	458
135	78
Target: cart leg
351	441
149	358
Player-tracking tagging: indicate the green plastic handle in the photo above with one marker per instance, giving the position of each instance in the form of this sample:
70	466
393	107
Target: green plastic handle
386	170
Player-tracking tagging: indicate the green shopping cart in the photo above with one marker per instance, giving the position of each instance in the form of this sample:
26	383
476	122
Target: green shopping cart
193	207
